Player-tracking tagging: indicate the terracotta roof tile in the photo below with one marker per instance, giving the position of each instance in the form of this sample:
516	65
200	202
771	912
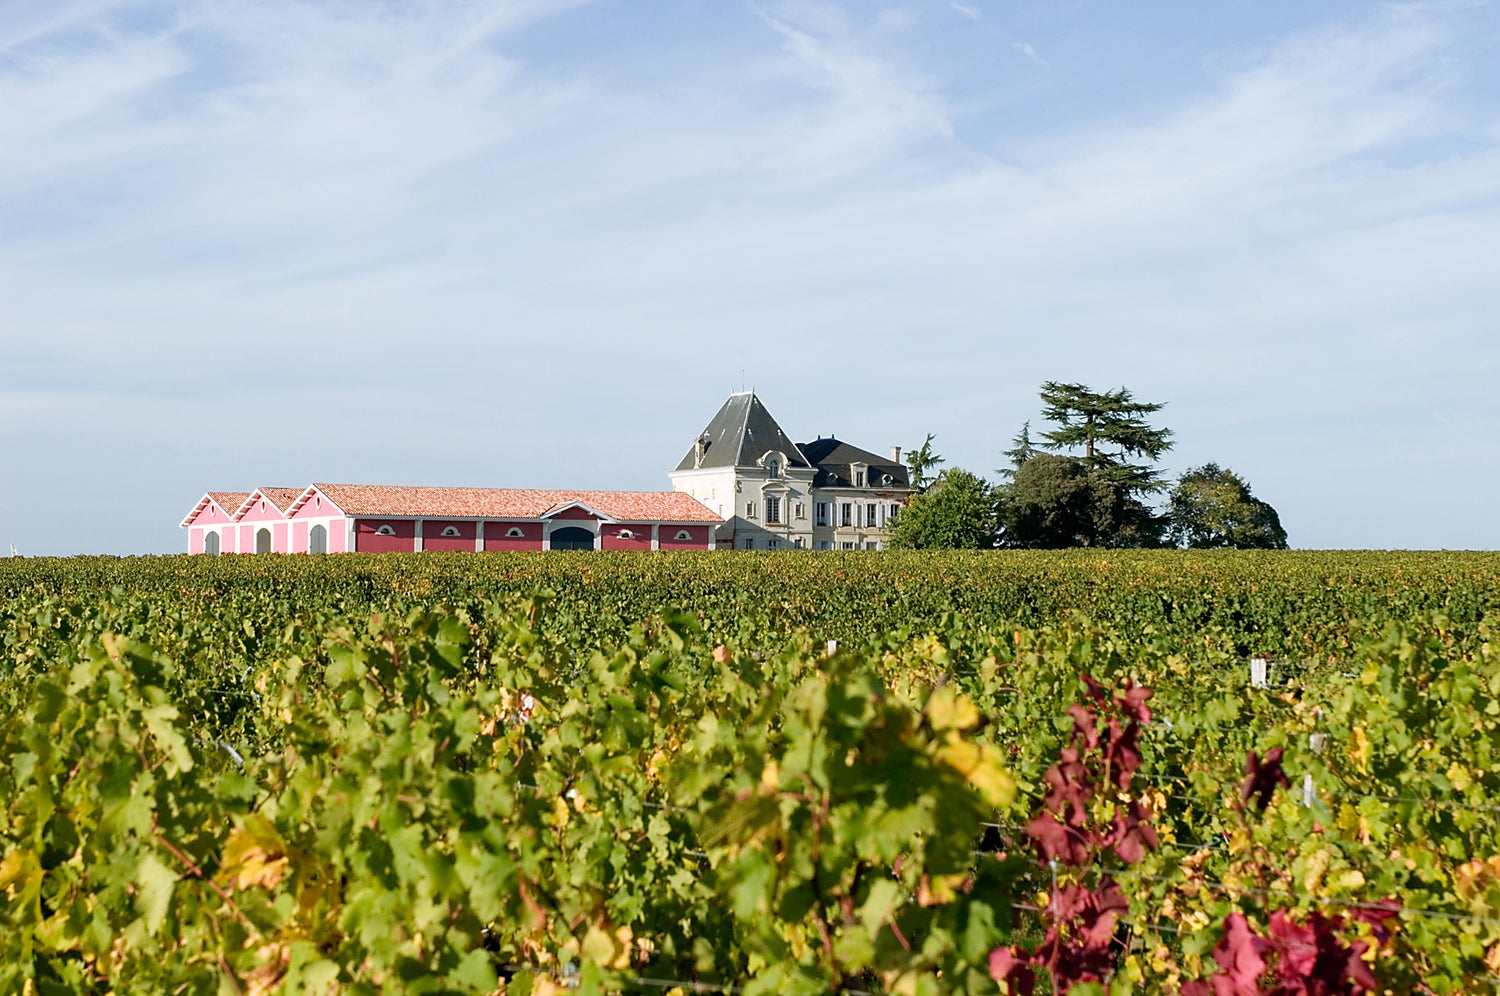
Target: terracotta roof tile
282	498
513	503
229	500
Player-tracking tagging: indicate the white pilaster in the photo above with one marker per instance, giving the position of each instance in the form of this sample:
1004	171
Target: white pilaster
416	543
479	536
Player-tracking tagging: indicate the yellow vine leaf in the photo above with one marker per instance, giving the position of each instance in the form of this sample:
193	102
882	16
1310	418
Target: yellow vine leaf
980	764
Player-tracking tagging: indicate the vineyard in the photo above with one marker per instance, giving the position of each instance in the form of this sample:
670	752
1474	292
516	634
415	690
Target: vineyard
751	773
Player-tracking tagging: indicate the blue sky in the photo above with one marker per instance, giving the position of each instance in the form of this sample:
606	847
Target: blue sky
536	243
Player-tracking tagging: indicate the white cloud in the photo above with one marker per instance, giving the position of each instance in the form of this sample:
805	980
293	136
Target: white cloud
1025	49
410	223
968	10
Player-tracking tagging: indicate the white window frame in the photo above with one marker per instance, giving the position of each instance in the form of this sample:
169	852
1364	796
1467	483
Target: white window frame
386	530
451	532
515	532
773	509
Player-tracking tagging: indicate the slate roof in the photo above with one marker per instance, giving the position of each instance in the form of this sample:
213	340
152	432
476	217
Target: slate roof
833	457
740	434
512	503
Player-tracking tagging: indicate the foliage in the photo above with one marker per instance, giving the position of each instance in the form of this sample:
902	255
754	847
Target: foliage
1021	450
921	461
959	512
490	796
1101	500
1051	504
1111	428
1212	507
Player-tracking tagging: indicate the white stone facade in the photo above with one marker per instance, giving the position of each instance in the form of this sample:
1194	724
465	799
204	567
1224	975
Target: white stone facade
774	494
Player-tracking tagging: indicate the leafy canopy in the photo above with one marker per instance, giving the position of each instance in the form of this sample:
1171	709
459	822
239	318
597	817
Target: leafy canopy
1110	427
960	511
1212	506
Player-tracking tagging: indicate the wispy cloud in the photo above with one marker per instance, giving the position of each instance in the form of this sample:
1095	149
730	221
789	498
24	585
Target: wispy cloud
1025	49
968	10
411	218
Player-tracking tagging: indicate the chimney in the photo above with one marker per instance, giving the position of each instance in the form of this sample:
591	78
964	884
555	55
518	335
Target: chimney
700	448
895	454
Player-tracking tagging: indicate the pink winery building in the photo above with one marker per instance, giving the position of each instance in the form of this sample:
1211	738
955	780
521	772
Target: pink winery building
344	518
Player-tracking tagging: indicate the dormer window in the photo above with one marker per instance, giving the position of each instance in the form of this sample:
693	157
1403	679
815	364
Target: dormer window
859	478
514	532
450	531
773	466
385	531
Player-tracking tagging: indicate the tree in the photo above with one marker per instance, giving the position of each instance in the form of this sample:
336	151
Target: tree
958	512
1021	450
1049	504
922	460
1111	429
1212	506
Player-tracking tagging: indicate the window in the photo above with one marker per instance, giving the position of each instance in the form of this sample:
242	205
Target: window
773	467
825	545
211	543
385	531
683	534
801	511
859	478
450	531
514	532
797	543
870	514
749	543
891	515
317	540
846	514
627	534
821	510
750	510
773	509
848	546
872	545
317	503
263	541
774	544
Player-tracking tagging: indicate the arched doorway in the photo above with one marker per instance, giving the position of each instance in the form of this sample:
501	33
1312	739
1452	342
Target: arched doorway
317	540
572	538
263	541
211	543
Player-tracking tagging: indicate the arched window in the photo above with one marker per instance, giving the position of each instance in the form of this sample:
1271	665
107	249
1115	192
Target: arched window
211	543
385	530
773	466
263	541
683	534
450	531
514	532
317	540
626	534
